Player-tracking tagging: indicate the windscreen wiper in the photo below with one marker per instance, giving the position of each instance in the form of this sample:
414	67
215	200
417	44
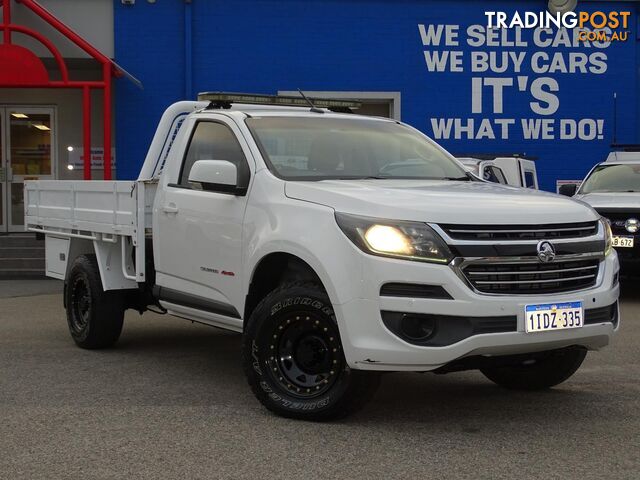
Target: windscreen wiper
364	177
458	179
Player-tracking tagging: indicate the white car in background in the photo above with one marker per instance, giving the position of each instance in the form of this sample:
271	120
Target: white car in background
514	170
612	188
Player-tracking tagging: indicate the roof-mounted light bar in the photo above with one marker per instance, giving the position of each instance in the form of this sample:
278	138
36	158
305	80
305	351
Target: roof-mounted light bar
225	100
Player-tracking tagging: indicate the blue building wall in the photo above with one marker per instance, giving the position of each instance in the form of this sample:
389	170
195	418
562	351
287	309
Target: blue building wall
375	45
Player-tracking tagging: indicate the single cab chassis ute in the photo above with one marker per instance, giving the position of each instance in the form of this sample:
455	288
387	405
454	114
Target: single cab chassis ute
340	246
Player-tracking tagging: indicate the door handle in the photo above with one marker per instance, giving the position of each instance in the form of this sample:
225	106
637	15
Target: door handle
169	209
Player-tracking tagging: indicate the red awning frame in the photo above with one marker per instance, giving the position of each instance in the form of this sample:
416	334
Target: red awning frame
19	67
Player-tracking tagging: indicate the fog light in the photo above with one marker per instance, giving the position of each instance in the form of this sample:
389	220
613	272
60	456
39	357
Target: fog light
632	225
418	327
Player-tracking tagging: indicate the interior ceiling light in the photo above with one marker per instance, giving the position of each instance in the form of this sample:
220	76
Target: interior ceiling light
562	6
18	115
41	127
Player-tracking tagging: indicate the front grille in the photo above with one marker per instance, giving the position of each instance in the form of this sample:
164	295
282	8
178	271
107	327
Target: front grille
521	232
520	278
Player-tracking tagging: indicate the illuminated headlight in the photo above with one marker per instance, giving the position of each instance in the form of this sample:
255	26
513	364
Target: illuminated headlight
632	225
390	238
608	236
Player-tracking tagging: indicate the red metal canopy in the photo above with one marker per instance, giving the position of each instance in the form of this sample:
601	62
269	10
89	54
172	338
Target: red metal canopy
19	67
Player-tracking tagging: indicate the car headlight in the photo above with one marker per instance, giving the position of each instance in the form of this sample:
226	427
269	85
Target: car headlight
632	225
608	236
390	238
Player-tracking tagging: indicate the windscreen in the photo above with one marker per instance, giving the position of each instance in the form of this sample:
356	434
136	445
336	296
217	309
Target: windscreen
613	178
317	148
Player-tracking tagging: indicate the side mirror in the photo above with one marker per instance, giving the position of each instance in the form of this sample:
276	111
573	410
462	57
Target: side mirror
568	189
216	176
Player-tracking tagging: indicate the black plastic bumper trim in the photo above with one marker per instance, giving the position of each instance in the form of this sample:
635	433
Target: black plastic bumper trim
607	314
450	329
414	290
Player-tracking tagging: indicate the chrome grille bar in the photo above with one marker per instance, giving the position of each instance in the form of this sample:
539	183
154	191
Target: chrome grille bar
518	233
518	282
524	272
539	230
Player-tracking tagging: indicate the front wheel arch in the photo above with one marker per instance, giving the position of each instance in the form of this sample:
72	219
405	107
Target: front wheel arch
271	271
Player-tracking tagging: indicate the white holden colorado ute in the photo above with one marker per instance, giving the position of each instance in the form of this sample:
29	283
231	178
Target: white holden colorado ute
340	247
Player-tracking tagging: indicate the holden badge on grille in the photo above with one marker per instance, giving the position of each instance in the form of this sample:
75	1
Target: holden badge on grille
546	251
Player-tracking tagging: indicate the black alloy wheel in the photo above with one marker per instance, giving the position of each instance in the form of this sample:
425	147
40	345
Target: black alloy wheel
307	355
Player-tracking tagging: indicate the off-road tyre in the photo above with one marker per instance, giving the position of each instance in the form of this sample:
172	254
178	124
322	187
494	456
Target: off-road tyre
94	317
293	357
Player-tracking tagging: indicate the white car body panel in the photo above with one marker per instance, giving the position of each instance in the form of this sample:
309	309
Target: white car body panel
420	200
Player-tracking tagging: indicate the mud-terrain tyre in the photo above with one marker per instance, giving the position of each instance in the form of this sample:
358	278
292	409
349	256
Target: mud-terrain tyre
94	316
293	358
539	373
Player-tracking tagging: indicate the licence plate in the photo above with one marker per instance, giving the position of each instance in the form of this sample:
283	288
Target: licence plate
553	316
623	242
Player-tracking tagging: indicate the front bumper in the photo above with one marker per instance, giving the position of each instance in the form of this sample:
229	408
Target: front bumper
369	345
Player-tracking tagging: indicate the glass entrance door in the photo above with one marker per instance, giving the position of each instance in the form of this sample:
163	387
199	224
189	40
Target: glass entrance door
28	153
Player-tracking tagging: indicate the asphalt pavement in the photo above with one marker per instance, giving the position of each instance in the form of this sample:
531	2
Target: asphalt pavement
170	401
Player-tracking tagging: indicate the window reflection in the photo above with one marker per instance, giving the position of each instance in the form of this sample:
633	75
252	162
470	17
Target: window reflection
30	144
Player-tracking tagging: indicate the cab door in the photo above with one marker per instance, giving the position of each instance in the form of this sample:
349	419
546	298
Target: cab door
197	233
